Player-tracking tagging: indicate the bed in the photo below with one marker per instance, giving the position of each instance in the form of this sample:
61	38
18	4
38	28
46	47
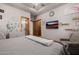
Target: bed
25	46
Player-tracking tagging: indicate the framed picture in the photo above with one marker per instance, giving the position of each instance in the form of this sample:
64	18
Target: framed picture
52	24
0	17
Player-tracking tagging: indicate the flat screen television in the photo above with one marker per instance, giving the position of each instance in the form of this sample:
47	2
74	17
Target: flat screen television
52	24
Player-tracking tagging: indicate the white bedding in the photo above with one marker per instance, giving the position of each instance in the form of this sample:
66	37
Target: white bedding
24	46
40	40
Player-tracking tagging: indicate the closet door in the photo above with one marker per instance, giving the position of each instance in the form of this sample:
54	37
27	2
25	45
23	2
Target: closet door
37	28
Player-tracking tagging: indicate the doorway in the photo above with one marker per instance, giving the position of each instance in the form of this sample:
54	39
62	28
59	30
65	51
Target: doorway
24	25
37	27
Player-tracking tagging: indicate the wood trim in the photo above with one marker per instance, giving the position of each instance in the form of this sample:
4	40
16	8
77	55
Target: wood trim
19	28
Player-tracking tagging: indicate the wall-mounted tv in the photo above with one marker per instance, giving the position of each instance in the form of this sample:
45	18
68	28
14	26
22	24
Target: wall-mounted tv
52	24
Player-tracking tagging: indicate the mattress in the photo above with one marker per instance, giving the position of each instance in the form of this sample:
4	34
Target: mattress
24	46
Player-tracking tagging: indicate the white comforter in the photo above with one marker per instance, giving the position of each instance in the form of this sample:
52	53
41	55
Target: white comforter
24	46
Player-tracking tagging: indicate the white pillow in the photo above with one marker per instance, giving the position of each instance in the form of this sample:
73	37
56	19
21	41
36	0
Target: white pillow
40	40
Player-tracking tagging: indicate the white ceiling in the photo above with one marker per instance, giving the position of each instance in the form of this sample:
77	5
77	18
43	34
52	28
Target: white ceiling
35	8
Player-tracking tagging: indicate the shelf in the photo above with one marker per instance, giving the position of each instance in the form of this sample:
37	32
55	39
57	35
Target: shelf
71	29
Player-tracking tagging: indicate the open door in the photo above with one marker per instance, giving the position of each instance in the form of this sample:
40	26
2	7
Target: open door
24	25
37	27
27	26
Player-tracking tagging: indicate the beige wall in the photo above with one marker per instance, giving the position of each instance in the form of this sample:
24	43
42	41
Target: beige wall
12	14
64	14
